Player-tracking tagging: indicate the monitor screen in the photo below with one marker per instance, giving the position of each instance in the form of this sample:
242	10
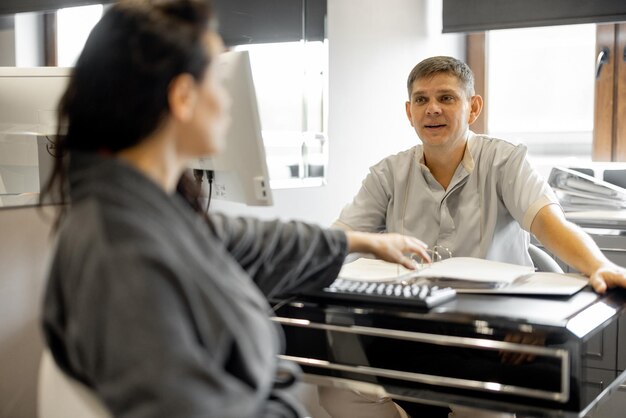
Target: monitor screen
240	172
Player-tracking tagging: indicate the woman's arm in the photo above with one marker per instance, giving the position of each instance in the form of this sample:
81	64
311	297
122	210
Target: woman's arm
283	256
394	248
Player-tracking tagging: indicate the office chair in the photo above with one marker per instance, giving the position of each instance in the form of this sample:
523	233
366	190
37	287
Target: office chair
60	396
543	261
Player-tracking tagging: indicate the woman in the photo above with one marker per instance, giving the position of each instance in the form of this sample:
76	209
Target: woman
163	311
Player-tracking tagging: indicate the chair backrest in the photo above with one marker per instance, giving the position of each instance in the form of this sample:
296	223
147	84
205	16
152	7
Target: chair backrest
542	260
60	396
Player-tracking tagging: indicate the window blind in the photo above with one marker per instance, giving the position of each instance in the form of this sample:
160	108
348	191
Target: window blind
241	21
481	15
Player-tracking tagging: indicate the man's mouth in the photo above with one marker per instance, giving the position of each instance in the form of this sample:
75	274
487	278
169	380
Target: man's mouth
434	126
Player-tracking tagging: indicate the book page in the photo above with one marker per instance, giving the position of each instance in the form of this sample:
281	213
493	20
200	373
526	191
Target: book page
459	268
369	269
475	269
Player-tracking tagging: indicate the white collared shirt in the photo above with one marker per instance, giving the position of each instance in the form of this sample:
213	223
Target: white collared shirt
485	212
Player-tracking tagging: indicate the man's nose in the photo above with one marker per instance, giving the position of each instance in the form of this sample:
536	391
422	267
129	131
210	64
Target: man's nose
433	108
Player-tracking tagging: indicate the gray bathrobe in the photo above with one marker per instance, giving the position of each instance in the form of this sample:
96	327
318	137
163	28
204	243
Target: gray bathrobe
164	313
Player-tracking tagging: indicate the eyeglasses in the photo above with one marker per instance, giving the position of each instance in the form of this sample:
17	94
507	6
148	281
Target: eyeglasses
436	253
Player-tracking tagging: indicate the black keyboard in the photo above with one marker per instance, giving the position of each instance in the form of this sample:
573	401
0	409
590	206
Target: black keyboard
416	295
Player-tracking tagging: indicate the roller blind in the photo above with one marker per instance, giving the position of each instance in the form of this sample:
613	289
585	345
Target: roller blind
241	21
252	22
481	15
19	6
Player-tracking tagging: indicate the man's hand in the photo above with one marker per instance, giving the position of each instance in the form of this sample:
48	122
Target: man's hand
394	248
607	276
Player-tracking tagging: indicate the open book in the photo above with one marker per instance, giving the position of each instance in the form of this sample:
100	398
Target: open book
469	275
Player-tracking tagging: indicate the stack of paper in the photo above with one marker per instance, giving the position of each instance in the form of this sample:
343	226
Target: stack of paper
578	192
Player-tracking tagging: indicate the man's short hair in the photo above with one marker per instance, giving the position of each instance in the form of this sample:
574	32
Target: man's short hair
435	65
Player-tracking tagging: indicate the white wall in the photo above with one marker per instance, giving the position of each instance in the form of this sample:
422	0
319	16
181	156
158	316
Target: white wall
373	45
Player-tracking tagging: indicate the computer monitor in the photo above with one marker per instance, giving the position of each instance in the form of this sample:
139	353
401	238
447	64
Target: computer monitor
28	109
28	120
240	172
29	98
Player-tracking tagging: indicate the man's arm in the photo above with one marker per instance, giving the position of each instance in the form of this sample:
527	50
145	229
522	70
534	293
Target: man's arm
572	245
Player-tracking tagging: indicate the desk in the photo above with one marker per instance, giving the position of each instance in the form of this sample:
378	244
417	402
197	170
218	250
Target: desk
451	354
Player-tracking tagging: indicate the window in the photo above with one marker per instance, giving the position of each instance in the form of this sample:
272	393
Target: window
290	77
541	88
610	106
73	27
290	81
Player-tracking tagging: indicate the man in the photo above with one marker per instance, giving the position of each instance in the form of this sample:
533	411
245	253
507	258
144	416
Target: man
472	194
475	195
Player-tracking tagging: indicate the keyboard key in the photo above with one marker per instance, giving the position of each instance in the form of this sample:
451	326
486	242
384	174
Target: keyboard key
424	295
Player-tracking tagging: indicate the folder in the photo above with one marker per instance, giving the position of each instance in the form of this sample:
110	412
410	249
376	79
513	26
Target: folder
469	275
579	192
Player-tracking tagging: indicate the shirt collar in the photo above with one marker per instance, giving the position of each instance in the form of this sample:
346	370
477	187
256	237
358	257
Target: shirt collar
467	161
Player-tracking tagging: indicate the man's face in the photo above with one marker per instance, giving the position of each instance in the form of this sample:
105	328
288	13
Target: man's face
440	111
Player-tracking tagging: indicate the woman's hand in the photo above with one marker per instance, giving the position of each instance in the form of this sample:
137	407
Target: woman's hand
394	248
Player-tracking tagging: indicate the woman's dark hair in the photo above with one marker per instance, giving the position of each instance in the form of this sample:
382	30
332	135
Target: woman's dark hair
118	91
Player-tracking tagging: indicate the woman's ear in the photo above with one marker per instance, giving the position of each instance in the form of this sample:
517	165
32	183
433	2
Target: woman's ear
182	97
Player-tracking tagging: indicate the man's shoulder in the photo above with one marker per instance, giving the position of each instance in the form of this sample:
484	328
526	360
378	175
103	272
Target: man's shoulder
485	145
402	157
492	141
393	166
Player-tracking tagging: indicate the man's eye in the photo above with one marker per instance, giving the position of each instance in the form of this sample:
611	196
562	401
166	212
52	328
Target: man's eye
446	99
420	100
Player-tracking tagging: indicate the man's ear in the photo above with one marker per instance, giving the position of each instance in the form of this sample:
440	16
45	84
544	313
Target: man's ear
476	106
407	107
182	97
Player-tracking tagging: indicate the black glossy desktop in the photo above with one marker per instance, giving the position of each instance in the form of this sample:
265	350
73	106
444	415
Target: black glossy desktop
455	352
